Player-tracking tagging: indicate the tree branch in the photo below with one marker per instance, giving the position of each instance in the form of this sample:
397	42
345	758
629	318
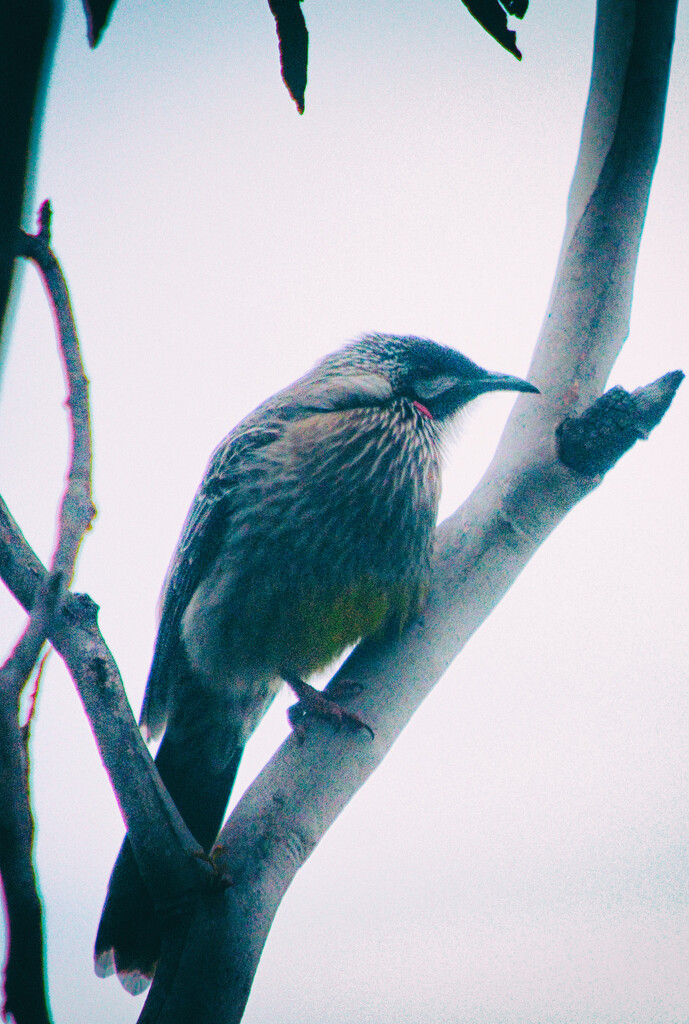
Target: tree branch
20	569
77	510
167	855
162	844
26	995
480	550
25	989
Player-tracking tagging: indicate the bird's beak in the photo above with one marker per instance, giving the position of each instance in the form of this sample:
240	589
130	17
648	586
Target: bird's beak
501	382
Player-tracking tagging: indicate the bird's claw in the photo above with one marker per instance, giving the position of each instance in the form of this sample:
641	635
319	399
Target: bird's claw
296	715
313	702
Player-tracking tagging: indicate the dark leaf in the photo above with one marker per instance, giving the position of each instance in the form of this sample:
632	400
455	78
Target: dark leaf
517	8
294	47
491	15
97	15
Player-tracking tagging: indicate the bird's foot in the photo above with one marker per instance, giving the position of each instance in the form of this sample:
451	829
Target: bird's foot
314	702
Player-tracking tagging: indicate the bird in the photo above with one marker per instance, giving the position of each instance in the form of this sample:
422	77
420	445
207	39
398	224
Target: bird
311	530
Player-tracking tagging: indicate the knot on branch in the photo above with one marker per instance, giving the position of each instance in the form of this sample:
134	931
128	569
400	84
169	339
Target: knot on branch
37	247
81	609
592	443
45	216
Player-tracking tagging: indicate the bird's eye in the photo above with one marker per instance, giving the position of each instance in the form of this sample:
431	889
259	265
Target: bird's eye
431	387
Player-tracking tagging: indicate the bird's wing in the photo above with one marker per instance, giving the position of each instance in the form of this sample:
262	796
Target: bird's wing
216	501
198	546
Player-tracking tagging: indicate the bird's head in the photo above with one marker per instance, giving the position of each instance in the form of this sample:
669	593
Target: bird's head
381	367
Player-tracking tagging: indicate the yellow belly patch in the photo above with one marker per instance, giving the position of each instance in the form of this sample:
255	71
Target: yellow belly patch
317	631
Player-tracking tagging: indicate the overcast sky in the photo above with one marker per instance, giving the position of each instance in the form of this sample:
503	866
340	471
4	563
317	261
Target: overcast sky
523	854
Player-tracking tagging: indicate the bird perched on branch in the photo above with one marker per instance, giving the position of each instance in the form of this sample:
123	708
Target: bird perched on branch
312	528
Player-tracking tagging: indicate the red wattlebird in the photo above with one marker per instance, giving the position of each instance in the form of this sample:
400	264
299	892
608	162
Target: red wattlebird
312	528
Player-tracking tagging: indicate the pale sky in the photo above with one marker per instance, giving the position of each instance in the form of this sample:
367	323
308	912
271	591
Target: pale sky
522	855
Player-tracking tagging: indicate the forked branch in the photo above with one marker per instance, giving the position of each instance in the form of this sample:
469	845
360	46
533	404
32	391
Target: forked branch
25	990
161	841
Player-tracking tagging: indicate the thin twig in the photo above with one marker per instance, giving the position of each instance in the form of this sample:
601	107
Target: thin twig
16	671
33	699
25	991
26	997
77	510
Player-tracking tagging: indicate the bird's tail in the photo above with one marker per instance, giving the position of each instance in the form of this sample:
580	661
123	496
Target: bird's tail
198	767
